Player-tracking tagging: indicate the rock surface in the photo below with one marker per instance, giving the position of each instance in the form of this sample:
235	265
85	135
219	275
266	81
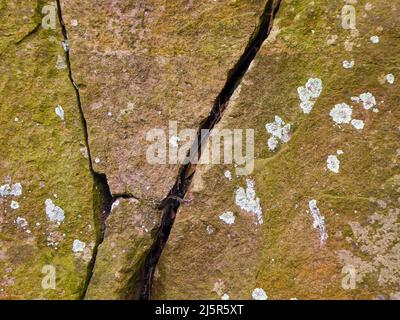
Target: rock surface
46	187
330	228
130	231
315	217
142	64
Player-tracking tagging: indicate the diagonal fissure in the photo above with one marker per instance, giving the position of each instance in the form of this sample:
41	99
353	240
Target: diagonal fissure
172	202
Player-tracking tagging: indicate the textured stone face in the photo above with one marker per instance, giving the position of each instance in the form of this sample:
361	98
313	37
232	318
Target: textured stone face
142	64
129	235
318	217
46	197
329	194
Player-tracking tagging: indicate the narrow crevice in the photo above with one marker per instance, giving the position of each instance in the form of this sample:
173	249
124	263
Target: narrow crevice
103	199
172	202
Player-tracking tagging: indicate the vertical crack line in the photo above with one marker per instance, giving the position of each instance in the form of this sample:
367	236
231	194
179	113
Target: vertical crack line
102	196
171	203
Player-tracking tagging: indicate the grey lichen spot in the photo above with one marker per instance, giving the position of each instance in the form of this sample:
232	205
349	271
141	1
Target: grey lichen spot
247	200
333	163
78	246
272	143
374	39
358	124
14	190
368	100
219	288
228	217
279	131
228	175
14	205
379	250
390	78
348	64
21	222
53	212
225	296
59	112
341	113
259	294
210	229
318	221
309	94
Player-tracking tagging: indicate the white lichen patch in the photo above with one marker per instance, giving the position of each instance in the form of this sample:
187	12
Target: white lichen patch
210	229
228	217
59	112
279	130
78	246
53	212
378	253
225	296
368	100
358	124
390	78
14	205
339	152
333	163
341	113
14	190
348	64
375	39
318	220
272	143
247	200
228	175
259	294
21	222
74	22
219	288
309	94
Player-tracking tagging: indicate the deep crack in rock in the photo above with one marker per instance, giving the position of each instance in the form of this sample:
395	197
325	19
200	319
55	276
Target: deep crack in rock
172	202
102	194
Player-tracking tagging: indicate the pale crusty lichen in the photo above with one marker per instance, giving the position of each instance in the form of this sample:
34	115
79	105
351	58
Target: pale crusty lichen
259	294
380	250
228	217
318	221
248	201
279	130
309	94
341	113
